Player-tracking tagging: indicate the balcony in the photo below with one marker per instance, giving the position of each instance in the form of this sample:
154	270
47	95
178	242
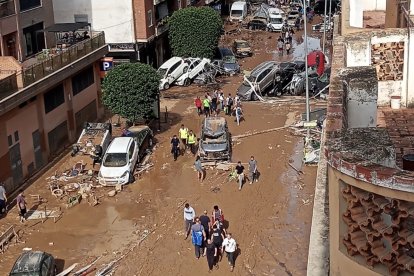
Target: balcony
48	68
7	8
162	26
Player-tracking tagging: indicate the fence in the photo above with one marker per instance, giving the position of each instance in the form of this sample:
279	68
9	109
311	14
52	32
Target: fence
52	63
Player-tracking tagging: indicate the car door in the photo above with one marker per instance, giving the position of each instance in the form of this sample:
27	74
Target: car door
132	154
175	72
195	70
268	78
259	84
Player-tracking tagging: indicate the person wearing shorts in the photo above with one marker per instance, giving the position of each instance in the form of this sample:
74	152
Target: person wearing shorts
21	204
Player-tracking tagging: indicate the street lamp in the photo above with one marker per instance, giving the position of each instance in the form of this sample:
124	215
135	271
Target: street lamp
306	70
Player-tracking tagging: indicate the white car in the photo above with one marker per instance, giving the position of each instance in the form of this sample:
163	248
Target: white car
292	16
276	18
171	70
119	161
195	67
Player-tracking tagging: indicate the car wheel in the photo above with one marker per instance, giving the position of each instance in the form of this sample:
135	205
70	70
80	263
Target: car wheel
185	69
166	86
187	82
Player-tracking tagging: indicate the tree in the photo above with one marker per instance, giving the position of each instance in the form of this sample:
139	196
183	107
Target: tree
194	32
130	90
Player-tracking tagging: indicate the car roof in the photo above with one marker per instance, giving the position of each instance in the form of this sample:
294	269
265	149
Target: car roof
226	51
170	62
119	144
275	11
238	4
262	66
29	261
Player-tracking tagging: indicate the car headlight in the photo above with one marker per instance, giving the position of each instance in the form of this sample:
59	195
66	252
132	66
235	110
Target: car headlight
124	174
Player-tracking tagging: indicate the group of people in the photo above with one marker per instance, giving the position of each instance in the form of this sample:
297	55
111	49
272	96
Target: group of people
211	105
20	202
209	236
284	42
187	138
253	172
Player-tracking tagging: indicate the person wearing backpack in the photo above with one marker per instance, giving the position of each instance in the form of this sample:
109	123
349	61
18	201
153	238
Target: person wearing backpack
198	237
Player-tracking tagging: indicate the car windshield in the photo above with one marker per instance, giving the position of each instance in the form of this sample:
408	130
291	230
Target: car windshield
242	44
276	20
236	13
229	59
115	160
162	71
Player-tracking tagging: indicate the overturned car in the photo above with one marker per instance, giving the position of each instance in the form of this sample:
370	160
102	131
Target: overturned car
215	140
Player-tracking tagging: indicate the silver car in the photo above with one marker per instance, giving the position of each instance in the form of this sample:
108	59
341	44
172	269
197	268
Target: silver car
214	140
261	79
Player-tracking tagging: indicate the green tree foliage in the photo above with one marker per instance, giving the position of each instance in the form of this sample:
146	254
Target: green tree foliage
194	32
130	90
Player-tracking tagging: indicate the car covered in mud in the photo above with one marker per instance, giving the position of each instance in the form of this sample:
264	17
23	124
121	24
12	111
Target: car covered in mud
242	48
34	263
260	79
215	140
317	84
225	61
285	75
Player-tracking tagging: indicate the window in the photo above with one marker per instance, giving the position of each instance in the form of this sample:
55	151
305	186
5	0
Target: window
174	67
131	150
34	39
29	4
150	18
53	98
82	80
81	18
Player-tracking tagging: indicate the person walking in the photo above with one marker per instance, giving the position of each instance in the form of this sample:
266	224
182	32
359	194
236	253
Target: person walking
175	146
198	237
3	199
280	47
230	246
189	216
191	141
222	101
206	106
21	204
183	134
211	252
239	114
253	169
288	46
214	99
198	105
229	103
217	237
199	167
205	221
217	214
240	174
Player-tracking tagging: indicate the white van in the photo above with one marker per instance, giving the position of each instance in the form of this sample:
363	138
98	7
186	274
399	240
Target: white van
276	17
119	161
238	11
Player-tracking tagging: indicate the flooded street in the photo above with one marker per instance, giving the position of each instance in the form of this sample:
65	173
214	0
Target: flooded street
142	227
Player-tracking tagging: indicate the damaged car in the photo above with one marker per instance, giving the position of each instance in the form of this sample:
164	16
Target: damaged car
225	61
170	71
242	48
261	78
285	75
195	67
317	84
215	140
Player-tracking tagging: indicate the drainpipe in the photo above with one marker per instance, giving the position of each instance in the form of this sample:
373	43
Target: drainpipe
407	18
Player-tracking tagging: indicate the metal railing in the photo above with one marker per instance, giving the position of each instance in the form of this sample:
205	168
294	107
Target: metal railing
52	62
8	84
7	8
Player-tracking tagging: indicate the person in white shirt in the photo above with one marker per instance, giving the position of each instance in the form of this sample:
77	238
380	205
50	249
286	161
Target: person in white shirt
230	247
189	215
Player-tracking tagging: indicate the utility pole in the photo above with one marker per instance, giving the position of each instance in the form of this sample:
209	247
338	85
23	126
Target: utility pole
324	28
306	69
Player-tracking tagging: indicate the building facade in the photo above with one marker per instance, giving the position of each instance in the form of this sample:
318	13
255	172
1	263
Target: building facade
134	30
369	146
49	86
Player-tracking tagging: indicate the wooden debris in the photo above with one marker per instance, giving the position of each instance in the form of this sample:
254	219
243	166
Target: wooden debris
293	167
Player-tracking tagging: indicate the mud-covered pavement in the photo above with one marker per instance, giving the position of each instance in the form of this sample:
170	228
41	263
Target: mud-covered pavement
143	225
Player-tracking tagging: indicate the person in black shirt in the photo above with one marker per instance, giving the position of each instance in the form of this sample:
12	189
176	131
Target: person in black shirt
175	146
240	174
205	221
217	237
211	252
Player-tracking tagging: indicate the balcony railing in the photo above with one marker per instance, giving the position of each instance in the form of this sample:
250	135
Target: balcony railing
56	58
7	8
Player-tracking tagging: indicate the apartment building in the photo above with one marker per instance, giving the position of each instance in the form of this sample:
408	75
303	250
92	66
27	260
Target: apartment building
134	30
49	85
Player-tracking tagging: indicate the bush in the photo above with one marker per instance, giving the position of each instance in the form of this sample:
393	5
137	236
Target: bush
130	90
194	32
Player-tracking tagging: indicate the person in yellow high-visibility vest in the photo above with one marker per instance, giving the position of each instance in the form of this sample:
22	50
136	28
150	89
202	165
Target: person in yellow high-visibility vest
183	134
192	139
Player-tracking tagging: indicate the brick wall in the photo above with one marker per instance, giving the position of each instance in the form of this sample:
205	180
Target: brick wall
142	29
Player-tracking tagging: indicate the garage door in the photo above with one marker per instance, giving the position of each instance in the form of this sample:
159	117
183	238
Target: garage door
58	137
